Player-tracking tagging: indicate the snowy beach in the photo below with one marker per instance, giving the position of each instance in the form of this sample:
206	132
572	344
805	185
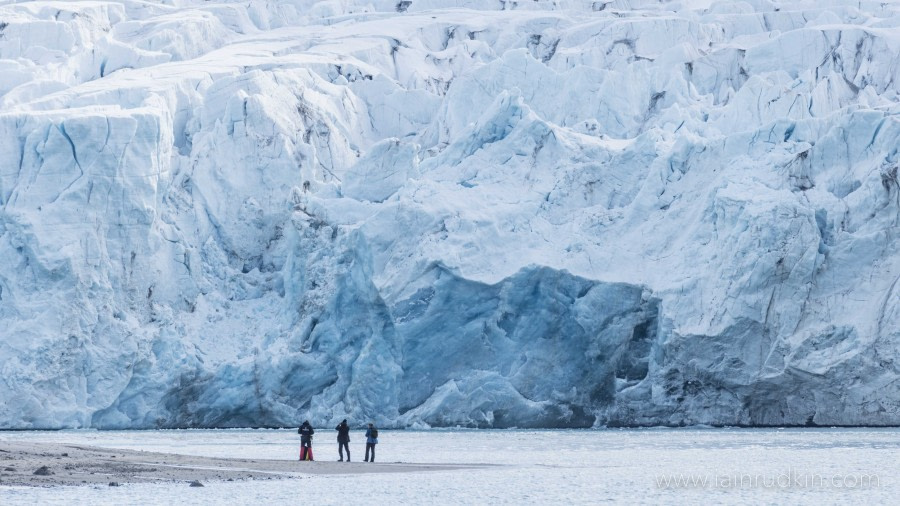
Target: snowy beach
497	467
60	464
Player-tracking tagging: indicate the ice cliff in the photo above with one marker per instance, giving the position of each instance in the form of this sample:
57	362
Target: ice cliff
513	213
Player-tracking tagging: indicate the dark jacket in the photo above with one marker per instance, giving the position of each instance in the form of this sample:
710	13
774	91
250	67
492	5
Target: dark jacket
306	433
343	431
369	439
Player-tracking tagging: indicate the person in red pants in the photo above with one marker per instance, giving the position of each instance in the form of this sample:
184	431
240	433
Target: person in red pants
306	433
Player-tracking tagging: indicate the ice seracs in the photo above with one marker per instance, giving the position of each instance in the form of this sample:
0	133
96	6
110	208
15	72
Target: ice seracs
524	214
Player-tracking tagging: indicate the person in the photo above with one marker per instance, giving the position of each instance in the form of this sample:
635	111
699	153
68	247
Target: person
306	433
343	439
371	441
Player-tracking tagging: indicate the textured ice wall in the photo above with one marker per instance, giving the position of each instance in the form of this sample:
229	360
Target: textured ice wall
533	214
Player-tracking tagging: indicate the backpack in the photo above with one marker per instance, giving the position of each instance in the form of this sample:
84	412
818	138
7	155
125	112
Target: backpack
374	433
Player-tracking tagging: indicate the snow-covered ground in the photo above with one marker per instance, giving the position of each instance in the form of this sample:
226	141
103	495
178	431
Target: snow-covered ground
536	467
490	213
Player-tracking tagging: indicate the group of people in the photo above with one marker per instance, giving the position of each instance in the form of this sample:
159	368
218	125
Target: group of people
343	438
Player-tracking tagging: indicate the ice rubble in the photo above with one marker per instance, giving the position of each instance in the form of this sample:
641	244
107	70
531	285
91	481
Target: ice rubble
534	214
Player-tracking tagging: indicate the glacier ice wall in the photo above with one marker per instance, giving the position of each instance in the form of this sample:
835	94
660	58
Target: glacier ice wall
494	214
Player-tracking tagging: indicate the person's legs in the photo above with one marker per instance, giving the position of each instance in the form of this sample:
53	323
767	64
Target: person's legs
341	451
368	446
373	453
347	447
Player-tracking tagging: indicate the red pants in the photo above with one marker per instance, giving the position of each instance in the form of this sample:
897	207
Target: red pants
306	453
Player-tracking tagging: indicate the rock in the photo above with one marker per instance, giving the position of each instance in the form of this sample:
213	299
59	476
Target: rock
114	484
196	483
43	471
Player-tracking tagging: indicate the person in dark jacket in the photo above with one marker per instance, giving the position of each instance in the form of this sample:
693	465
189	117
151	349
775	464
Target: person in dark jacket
343	438
306	433
371	441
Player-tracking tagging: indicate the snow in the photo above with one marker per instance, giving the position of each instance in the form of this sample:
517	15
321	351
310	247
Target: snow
526	467
513	214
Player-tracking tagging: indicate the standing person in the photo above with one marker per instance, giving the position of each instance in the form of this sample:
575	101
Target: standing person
343	431
306	433
371	441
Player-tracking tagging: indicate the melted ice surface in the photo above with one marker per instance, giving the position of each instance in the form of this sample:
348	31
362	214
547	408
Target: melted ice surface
536	467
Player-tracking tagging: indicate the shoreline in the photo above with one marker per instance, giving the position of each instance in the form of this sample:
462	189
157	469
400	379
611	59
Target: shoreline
33	464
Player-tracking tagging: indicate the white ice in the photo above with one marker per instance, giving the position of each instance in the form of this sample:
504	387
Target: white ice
495	214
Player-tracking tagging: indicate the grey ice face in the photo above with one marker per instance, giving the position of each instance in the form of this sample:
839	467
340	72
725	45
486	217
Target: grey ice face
612	217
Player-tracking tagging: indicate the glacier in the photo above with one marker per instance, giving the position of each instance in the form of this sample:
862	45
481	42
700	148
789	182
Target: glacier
545	213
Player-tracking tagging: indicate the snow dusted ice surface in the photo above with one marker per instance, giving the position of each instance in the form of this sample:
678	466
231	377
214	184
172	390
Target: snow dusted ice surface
536	467
478	213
